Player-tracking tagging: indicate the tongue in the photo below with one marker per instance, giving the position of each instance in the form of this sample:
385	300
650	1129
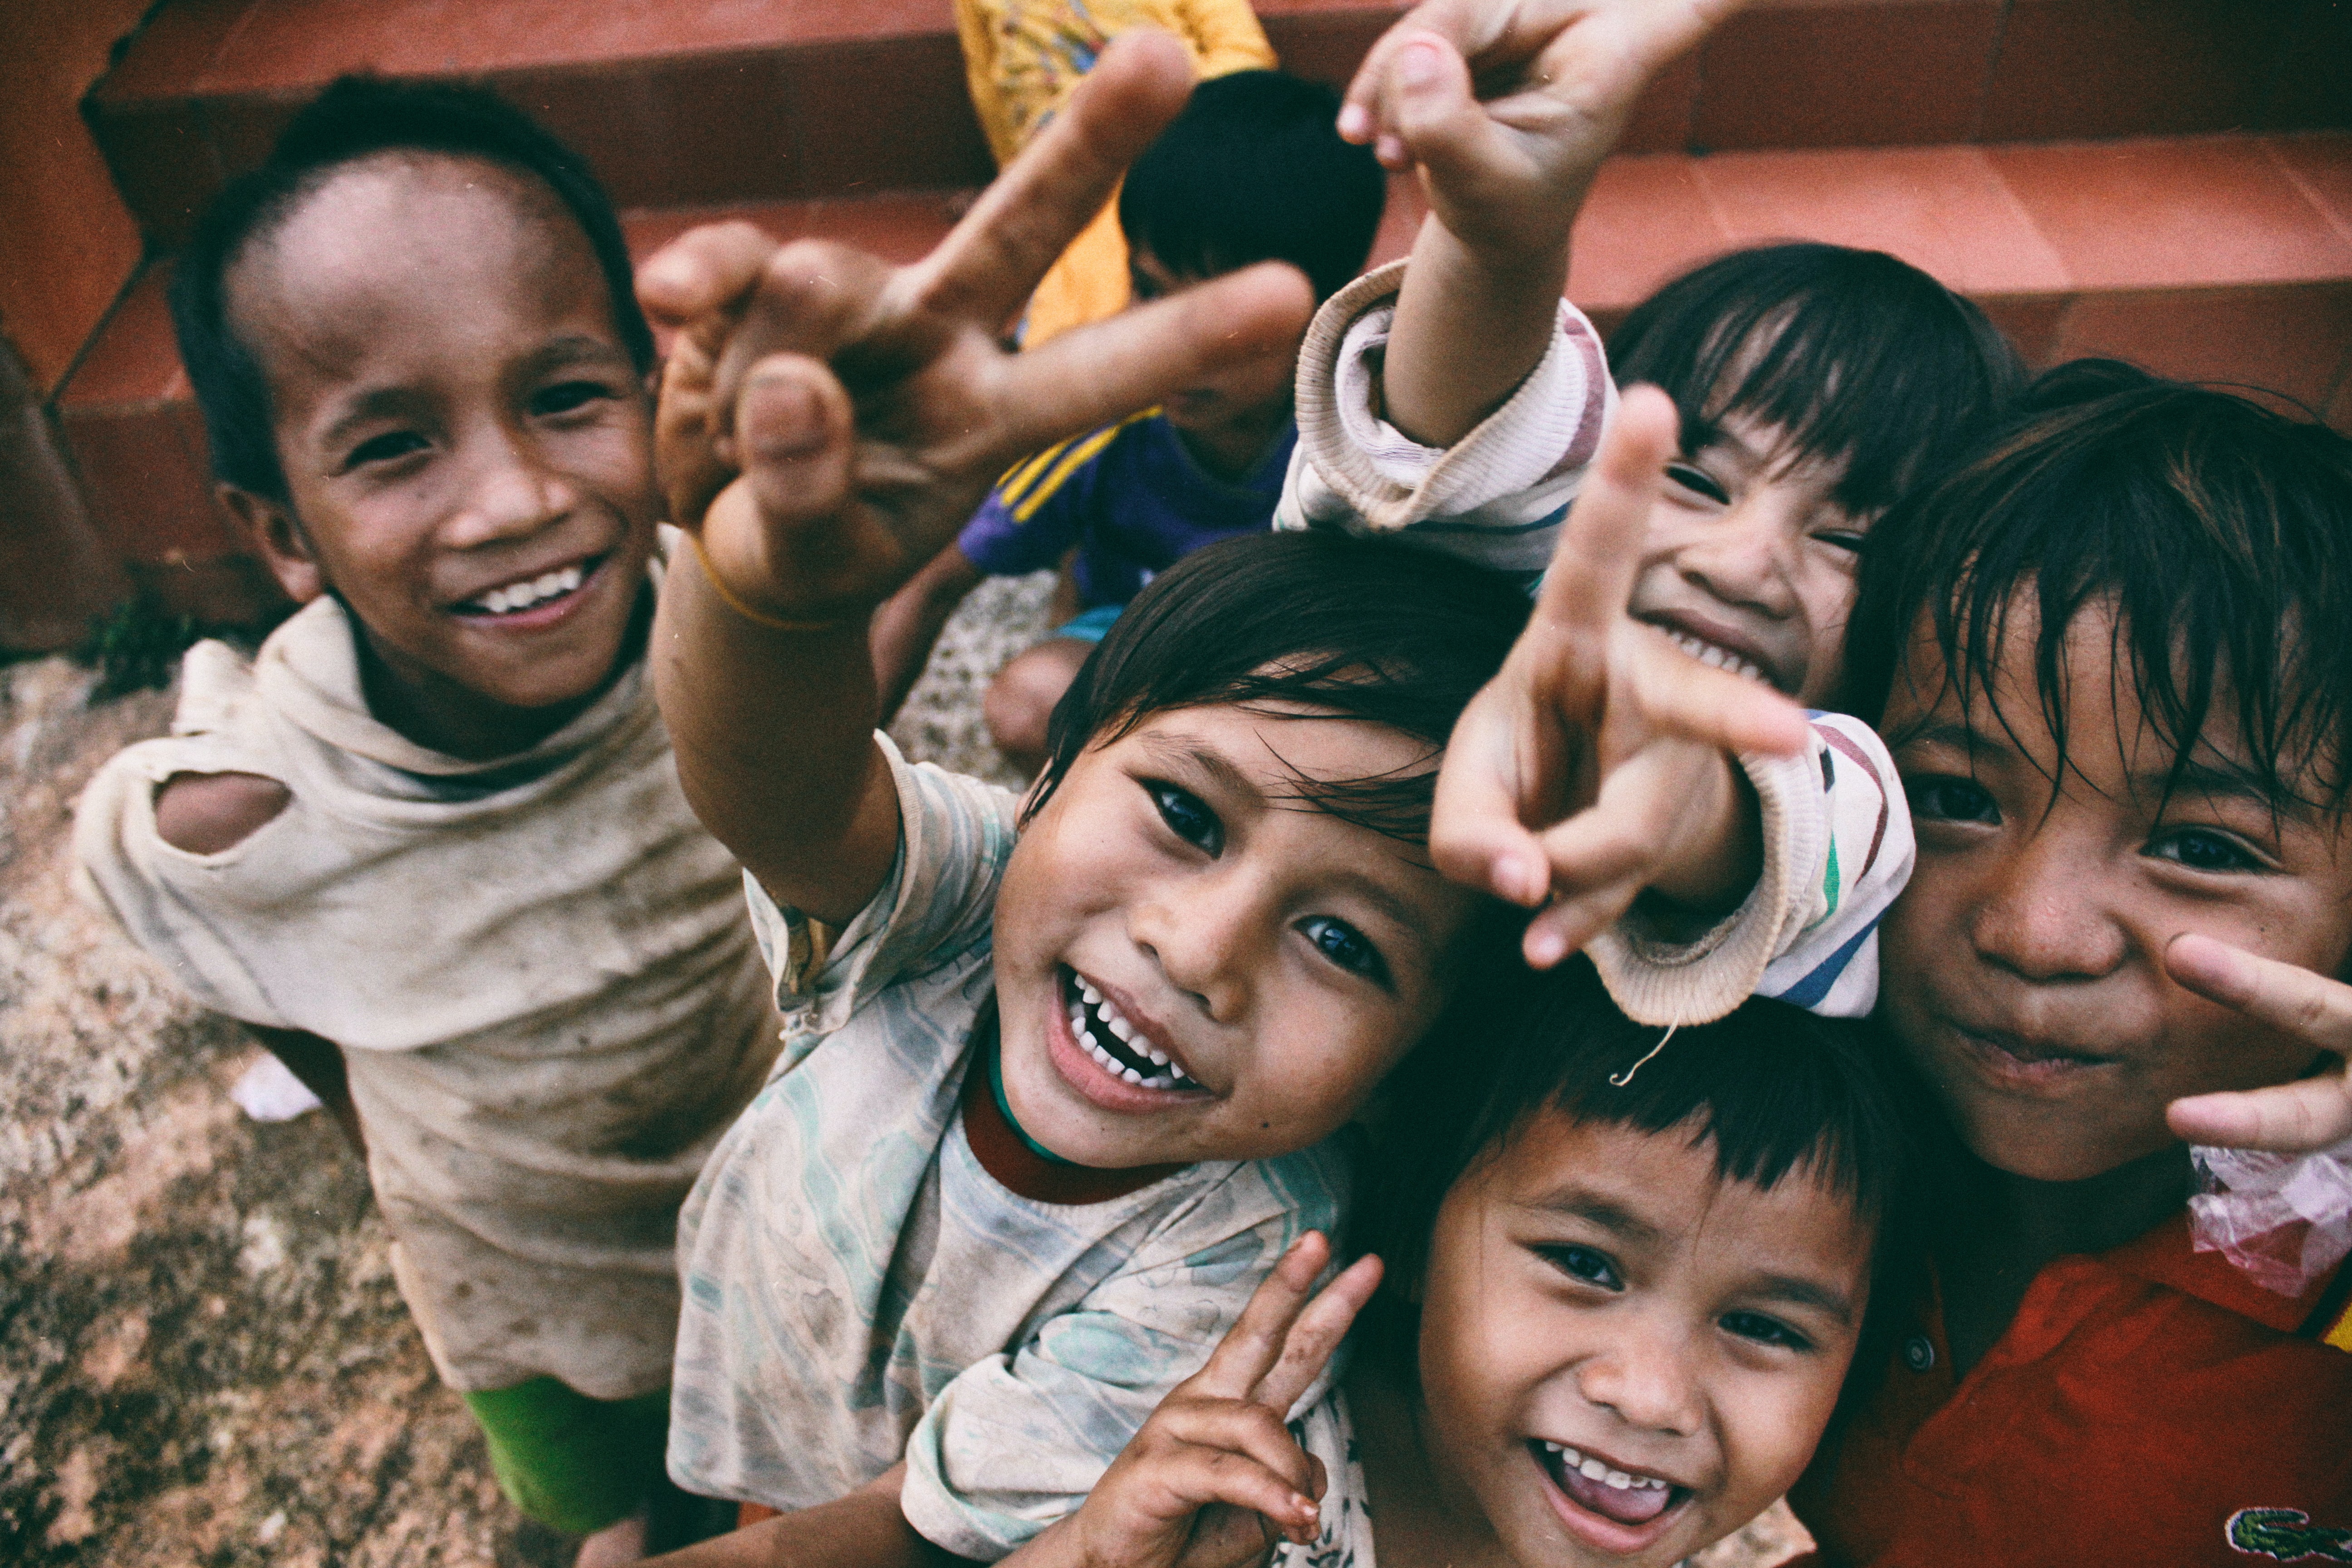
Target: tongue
1626	1505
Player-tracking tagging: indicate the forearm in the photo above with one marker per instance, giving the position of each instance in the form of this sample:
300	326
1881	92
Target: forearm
911	621
863	1530
774	734
1723	856
1469	328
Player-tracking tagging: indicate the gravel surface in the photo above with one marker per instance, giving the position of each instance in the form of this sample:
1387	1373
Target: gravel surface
203	1359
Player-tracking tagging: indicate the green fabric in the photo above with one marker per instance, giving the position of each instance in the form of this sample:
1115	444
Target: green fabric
572	1463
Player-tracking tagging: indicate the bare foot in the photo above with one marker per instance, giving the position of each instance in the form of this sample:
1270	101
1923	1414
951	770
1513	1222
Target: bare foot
614	1544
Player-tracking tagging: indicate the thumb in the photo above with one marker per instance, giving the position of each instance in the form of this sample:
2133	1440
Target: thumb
792	439
1434	111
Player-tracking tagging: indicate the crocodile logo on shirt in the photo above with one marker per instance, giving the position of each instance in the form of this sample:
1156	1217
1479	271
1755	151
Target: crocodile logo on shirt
2287	1535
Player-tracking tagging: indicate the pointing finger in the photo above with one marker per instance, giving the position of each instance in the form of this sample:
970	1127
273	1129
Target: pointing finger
994	259
1254	1344
1112	368
1591	575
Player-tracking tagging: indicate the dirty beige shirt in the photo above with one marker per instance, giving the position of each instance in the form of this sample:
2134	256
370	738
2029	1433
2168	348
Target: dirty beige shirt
539	969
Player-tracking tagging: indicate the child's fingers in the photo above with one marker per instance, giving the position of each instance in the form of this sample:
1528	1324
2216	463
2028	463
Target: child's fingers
988	265
1207	1476
1476	828
1474	168
811	297
1462	25
1254	1344
1308	1348
1679	696
1245	1429
1112	368
1591	577
2291	1118
2298	1118
1568	925
2286	997
704	271
792	435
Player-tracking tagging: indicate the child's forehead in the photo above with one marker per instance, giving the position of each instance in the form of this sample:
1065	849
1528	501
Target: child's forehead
404	228
1998	699
1667	1188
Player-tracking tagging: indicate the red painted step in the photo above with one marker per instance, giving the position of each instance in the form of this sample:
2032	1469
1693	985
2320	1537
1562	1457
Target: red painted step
2226	258
687	101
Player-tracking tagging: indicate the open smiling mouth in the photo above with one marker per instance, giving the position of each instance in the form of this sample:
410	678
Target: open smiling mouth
1621	1497
1105	1035
537	593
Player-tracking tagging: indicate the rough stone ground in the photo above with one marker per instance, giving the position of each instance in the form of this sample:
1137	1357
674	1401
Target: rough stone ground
202	1359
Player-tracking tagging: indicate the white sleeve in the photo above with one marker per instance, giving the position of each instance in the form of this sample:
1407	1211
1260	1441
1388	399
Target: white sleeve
1837	849
1496	497
955	834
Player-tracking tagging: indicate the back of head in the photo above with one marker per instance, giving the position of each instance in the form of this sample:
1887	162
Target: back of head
1856	355
1773	1091
2219	531
1365	628
1254	169
360	117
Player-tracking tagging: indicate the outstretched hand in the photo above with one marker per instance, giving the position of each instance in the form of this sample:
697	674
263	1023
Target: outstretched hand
2297	1118
1506	108
1214	1479
827	421
1596	765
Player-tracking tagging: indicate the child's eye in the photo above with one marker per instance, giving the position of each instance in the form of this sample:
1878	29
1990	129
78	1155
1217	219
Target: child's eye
1187	816
383	448
1939	798
1346	946
1764	1330
2204	849
1584	1264
1697	481
565	397
1847	539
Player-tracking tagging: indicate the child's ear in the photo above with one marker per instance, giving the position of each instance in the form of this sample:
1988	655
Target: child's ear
278	537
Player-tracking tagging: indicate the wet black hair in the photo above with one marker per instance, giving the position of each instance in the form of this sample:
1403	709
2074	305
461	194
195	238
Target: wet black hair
1252	170
357	118
2219	529
1770	1091
1370	630
1857	356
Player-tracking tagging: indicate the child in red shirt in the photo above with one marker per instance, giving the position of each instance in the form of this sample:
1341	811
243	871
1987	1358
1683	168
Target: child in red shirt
2114	681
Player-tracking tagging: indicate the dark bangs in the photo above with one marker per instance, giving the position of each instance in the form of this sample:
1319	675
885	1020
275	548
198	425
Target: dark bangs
1367	629
1857	356
2221	533
1770	1091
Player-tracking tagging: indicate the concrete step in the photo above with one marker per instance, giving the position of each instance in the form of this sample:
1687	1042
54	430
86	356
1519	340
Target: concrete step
2216	257
706	101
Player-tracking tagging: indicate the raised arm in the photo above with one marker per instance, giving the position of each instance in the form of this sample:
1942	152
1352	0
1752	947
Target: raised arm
1505	110
827	422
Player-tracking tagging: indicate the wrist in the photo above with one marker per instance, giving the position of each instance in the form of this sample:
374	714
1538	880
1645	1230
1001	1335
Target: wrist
1719	863
761	610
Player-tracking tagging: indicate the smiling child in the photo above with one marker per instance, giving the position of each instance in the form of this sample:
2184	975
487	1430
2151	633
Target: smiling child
2119	704
1060	1074
430	842
1623	1294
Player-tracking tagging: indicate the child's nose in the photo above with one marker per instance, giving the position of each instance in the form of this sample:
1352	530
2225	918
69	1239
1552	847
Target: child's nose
1744	557
1206	933
1646	1377
2042	916
510	493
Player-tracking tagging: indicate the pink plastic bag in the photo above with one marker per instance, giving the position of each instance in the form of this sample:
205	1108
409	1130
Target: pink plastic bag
2285	1219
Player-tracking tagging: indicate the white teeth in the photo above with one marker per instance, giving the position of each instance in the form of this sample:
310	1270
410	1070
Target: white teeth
1619	1480
1714	657
1118	1025
521	595
1593	1470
